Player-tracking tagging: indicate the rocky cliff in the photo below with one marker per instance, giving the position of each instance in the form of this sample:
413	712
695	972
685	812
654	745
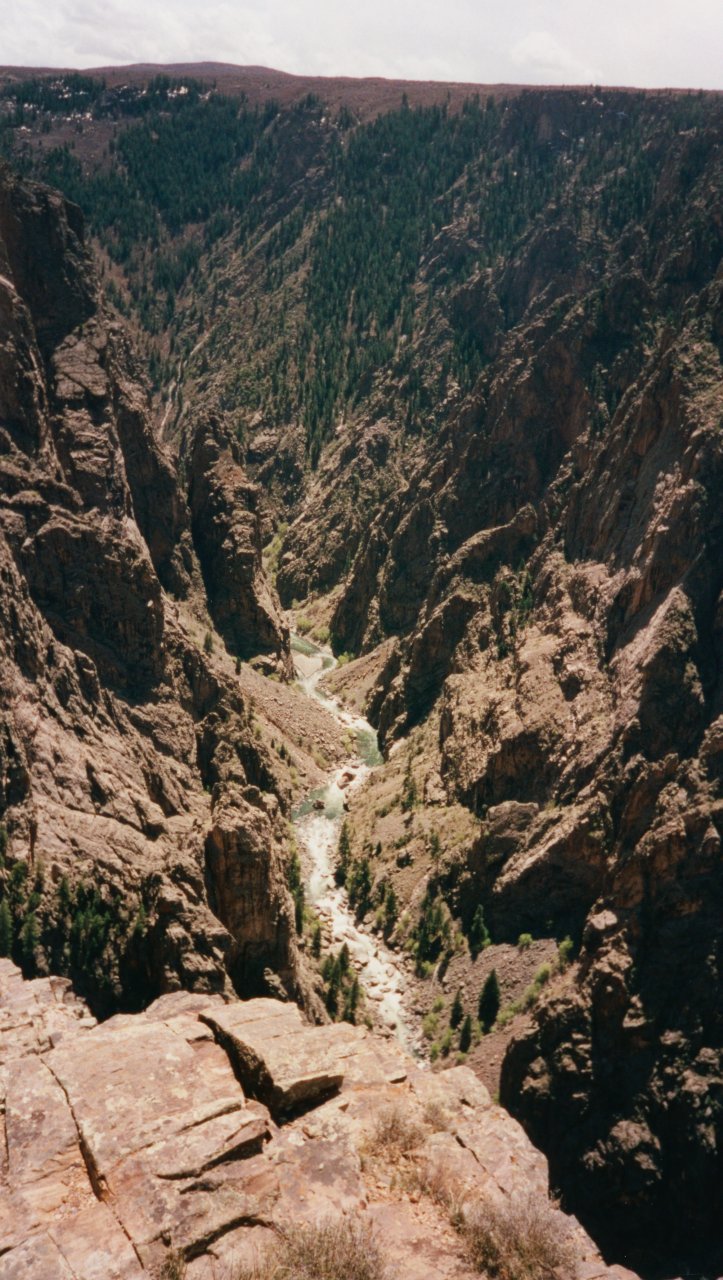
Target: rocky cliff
196	1135
139	853
474	356
553	572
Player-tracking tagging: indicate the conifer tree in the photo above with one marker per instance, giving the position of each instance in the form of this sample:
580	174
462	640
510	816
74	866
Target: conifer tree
6	929
456	1013
489	1001
479	937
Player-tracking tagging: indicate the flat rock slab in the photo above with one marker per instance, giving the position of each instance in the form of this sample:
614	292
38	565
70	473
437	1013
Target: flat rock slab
279	1058
36	1015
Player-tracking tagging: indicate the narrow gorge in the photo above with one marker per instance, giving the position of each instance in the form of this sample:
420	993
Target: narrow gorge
361	697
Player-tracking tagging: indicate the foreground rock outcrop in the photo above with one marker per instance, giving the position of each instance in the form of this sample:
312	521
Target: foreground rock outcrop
178	1130
132	819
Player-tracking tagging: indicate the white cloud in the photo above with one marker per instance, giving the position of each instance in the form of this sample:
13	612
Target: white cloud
541	58
644	42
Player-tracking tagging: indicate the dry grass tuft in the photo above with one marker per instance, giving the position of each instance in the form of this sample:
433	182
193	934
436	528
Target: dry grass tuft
395	1134
173	1267
437	1117
520	1241
442	1186
338	1249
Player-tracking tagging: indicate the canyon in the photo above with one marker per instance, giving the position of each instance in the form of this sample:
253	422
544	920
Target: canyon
428	377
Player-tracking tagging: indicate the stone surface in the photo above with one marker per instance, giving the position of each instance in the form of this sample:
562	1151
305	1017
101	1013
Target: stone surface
127	755
139	1135
546	574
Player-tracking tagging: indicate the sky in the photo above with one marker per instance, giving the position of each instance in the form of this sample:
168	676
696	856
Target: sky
648	43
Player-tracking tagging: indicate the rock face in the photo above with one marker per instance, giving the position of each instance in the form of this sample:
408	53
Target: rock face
552	575
227	534
129	821
145	1134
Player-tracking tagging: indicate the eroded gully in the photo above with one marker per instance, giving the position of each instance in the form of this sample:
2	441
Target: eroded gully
318	823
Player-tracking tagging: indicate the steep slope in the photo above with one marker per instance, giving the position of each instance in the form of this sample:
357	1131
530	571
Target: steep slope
554	567
138	851
473	357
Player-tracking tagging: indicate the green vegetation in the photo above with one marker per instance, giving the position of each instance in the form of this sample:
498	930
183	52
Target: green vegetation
433	932
489	1001
478	936
296	889
456	1013
465	1035
354	873
409	789
529	998
343	992
189	169
6	929
93	937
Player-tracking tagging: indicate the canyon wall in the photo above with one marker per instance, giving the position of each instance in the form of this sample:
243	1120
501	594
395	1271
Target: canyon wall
139	854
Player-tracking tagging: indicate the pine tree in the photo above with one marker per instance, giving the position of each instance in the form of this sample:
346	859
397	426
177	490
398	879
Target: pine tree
316	941
465	1035
6	929
479	937
489	1001
456	1013
390	910
29	939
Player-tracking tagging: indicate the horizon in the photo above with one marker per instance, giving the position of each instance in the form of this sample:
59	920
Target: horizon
633	43
199	67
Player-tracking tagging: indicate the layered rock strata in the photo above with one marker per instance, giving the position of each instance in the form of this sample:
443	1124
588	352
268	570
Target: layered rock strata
170	1131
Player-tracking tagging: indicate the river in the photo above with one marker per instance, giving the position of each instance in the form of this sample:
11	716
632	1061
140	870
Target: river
318	823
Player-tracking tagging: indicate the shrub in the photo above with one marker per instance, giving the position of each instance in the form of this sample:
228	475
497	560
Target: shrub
564	953
359	884
338	1249
395	1133
208	643
524	941
433	931
430	1025
173	1267
518	1241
